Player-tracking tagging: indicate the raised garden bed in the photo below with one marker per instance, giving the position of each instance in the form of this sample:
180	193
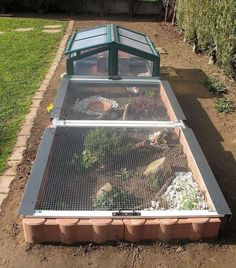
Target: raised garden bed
118	161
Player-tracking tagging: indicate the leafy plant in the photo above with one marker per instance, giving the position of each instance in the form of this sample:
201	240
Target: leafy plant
83	161
210	29
214	86
224	105
107	144
123	174
88	159
155	182
113	199
189	200
150	93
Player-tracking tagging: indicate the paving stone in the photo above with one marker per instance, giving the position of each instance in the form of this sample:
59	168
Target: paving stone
12	171
21	141
43	88
53	26
5	182
52	31
25	130
17	154
2	197
38	95
24	29
29	121
33	112
36	103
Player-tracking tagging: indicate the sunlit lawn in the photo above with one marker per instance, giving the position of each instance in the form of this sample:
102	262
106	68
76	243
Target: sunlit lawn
24	60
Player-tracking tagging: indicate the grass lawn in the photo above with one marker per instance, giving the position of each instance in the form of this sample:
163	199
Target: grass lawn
24	60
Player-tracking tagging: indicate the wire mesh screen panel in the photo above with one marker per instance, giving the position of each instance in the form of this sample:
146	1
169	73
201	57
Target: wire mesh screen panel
111	169
113	103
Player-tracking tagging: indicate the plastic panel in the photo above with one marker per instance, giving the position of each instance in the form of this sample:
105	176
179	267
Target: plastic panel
132	35
90	33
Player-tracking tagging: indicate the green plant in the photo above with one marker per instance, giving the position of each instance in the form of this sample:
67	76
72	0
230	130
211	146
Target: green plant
155	181
204	25
150	93
189	200
123	174
22	68
224	105
88	159
83	161
113	199
214	86
108	144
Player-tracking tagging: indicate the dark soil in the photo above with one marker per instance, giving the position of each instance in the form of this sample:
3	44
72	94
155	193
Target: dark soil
215	133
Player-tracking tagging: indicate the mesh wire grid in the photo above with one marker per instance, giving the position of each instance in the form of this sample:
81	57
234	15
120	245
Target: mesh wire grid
144	104
69	186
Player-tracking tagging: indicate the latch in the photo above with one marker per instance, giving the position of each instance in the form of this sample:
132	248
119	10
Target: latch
126	213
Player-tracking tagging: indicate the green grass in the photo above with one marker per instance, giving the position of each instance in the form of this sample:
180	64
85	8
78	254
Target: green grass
224	105
24	60
214	86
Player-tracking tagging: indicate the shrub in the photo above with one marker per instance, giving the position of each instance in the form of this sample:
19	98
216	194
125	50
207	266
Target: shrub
212	25
214	86
113	199
123	174
224	105
108	144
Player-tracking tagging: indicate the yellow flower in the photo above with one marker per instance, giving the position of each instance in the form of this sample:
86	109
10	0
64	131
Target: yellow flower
50	107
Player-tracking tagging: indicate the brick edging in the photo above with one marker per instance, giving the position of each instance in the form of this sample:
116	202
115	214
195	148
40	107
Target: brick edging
17	153
68	231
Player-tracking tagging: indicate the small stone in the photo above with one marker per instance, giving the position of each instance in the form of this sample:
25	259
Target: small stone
179	249
2	33
161	50
161	165
105	188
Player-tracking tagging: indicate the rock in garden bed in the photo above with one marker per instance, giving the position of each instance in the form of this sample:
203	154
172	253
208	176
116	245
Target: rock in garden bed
182	194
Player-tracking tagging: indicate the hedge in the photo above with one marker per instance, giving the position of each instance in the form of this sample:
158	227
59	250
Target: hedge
211	25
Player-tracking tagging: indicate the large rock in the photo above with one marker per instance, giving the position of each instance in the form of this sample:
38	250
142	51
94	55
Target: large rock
160	166
105	188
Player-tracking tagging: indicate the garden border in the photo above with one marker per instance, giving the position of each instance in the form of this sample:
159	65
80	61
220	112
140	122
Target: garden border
17	153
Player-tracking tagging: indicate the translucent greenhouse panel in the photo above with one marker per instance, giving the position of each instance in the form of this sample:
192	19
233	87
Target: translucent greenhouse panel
114	103
130	65
93	65
118	168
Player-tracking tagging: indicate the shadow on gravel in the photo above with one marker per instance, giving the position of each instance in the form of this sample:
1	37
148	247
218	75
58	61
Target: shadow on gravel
189	88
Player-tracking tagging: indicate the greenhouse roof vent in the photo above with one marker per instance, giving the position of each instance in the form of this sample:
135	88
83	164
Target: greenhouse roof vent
112	51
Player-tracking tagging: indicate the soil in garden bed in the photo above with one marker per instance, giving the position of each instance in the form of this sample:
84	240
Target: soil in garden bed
144	103
68	185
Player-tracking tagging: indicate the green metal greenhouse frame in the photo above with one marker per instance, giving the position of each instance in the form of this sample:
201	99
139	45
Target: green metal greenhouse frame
111	38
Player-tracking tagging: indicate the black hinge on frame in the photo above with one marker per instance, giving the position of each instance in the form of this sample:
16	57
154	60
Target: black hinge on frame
126	213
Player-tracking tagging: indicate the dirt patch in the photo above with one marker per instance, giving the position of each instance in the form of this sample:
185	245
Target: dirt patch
215	133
